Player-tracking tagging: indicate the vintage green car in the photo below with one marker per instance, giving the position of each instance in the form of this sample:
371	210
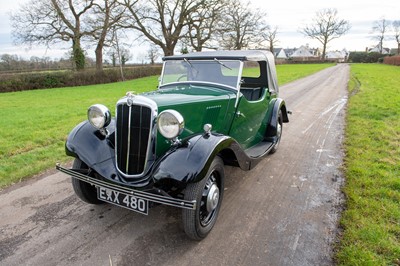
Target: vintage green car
170	146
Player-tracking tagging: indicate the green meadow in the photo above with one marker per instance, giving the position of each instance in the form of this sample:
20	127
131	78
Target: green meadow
371	220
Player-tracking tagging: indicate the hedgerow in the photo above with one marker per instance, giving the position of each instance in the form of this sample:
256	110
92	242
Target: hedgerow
56	79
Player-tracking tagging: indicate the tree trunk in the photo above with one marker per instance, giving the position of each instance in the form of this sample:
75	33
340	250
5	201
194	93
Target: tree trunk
78	55
114	60
99	57
168	50
271	46
323	52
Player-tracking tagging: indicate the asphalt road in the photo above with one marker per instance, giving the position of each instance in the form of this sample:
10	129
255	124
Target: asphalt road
283	212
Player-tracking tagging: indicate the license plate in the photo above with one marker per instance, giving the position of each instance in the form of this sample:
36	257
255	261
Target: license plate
123	200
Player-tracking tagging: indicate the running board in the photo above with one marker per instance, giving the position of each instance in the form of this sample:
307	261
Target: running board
260	149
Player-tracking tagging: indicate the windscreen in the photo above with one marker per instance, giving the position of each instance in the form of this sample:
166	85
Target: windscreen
224	72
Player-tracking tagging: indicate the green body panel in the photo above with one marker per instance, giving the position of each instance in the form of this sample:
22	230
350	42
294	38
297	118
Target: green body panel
198	105
251	120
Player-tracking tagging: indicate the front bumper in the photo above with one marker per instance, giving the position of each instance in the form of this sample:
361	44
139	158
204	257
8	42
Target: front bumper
153	197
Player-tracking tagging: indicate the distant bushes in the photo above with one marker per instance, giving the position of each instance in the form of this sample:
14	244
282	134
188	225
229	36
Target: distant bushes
364	57
56	79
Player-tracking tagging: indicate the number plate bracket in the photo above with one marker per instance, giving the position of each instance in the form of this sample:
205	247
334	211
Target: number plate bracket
121	199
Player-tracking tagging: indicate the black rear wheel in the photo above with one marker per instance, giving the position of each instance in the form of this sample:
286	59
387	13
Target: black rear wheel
208	194
83	190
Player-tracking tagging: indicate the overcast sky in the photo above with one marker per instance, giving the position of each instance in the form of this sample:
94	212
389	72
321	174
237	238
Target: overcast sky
289	16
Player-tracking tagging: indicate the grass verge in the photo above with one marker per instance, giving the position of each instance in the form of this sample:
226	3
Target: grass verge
371	221
34	124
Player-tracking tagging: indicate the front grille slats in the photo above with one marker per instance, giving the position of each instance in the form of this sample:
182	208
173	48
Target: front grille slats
132	137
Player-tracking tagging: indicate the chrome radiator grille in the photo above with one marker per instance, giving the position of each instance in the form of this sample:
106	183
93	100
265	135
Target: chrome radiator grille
133	131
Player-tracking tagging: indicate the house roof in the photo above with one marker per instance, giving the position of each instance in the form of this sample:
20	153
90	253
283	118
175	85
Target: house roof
377	49
302	52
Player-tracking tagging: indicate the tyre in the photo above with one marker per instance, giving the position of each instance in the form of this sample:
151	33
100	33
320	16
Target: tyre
208	194
279	129
83	190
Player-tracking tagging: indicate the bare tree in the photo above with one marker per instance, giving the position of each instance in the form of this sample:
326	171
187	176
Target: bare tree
14	62
118	49
184	44
203	23
106	14
162	22
125	55
241	26
113	56
270	37
9	62
51	21
380	27
325	27
152	54
396	29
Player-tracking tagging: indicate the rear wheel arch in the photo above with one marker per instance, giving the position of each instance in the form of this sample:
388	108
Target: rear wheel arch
278	135
279	107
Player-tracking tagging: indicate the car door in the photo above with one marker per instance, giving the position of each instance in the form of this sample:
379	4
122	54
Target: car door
249	122
250	118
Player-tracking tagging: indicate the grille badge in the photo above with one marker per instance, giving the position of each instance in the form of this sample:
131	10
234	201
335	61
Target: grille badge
131	97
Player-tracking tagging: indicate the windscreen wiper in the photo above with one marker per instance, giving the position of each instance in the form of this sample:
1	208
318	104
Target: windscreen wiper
222	64
188	62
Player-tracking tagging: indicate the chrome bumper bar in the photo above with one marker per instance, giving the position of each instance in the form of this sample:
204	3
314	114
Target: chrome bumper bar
184	204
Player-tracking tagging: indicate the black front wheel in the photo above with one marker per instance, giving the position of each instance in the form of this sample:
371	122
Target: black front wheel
208	194
83	190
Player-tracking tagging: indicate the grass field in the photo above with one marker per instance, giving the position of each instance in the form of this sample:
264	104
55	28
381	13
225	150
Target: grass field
34	124
371	221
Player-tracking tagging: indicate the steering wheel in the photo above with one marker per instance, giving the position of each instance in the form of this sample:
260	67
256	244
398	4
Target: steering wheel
181	77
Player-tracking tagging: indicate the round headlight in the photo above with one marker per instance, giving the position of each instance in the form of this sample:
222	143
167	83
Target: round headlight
170	124
99	116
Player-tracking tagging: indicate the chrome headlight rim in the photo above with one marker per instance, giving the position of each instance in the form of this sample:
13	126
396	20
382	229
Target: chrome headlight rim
99	116
170	124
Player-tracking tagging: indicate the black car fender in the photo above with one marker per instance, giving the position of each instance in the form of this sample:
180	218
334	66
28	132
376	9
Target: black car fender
190	162
277	105
93	148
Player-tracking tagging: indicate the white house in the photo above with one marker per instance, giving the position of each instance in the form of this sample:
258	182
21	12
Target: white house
302	51
377	49
340	56
280	53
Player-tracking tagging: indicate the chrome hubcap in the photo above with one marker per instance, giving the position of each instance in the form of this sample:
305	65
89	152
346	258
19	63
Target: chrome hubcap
278	135
279	130
209	201
212	198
